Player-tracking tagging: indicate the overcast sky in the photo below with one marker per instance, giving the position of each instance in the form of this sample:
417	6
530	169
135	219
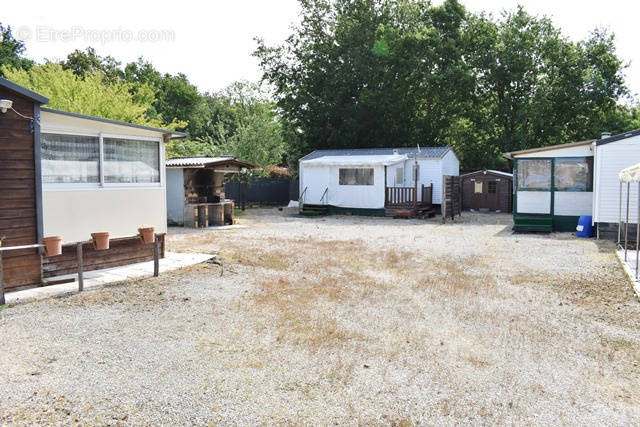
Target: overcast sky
211	41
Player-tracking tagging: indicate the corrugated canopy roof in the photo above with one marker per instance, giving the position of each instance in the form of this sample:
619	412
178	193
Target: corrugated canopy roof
204	161
630	174
425	152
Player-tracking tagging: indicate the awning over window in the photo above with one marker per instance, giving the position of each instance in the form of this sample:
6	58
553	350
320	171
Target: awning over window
356	161
630	174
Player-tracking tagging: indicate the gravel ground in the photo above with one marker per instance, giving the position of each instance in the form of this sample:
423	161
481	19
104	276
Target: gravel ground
346	320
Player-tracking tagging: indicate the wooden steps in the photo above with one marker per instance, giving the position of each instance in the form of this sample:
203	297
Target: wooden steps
540	223
314	210
402	212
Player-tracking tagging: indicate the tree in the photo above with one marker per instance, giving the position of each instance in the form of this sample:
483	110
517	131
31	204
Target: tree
176	99
372	73
90	94
88	62
12	51
249	128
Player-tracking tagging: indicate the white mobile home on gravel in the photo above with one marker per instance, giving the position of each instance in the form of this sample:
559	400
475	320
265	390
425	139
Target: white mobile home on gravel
365	181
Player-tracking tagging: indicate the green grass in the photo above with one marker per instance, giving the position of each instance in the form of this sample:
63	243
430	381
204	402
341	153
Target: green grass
239	212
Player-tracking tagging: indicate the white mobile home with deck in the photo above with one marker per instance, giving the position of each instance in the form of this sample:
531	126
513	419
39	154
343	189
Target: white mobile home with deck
366	181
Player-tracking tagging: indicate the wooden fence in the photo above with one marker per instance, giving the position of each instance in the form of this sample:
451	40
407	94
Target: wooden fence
451	197
408	197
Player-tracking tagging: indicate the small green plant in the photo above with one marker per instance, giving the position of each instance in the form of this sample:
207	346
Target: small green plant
239	212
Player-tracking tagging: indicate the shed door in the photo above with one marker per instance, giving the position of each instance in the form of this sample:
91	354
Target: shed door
485	193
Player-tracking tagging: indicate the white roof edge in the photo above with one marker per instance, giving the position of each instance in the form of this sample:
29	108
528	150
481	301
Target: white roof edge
489	170
364	160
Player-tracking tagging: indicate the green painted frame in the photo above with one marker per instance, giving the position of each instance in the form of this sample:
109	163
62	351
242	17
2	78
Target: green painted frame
558	220
516	189
589	188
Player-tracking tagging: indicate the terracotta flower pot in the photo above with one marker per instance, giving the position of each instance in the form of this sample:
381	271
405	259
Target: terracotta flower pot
100	240
146	234
52	245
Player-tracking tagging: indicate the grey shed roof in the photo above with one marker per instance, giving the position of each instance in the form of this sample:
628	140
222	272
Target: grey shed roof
425	152
490	171
36	97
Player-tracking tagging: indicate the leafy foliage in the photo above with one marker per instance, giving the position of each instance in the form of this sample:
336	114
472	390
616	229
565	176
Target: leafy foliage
248	127
89	94
12	51
372	73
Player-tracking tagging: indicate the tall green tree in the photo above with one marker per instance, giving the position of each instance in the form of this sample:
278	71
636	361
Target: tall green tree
83	62
247	126
176	99
371	73
12	51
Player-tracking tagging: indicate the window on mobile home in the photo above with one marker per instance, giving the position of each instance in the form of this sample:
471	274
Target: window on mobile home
399	176
573	174
76	159
131	161
356	176
534	174
70	159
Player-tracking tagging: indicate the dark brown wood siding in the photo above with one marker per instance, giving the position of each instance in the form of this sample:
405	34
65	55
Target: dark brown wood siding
18	214
122	251
501	200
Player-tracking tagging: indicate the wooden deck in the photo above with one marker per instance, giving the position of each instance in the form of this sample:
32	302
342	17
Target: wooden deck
409	202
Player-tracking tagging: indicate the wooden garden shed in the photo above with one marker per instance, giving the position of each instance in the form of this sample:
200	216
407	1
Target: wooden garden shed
487	190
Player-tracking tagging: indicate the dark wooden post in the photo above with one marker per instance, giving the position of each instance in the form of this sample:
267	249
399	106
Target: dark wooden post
156	257
80	267
2	301
244	193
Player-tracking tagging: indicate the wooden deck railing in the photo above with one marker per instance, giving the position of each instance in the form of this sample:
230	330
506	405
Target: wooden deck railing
408	197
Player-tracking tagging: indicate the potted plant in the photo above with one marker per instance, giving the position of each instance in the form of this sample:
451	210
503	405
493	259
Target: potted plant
52	245
100	240
146	234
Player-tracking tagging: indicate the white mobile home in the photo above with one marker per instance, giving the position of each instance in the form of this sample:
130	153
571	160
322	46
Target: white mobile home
66	175
612	155
99	174
365	181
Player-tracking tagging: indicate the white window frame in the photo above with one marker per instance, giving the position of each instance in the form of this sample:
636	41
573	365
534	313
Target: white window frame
395	179
102	184
132	184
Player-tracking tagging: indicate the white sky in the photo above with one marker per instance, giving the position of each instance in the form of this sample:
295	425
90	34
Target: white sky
211	41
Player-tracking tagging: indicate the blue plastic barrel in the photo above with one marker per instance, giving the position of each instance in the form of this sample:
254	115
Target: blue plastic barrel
584	228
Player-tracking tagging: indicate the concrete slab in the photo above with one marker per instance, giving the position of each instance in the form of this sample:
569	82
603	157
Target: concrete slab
188	230
630	268
96	278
